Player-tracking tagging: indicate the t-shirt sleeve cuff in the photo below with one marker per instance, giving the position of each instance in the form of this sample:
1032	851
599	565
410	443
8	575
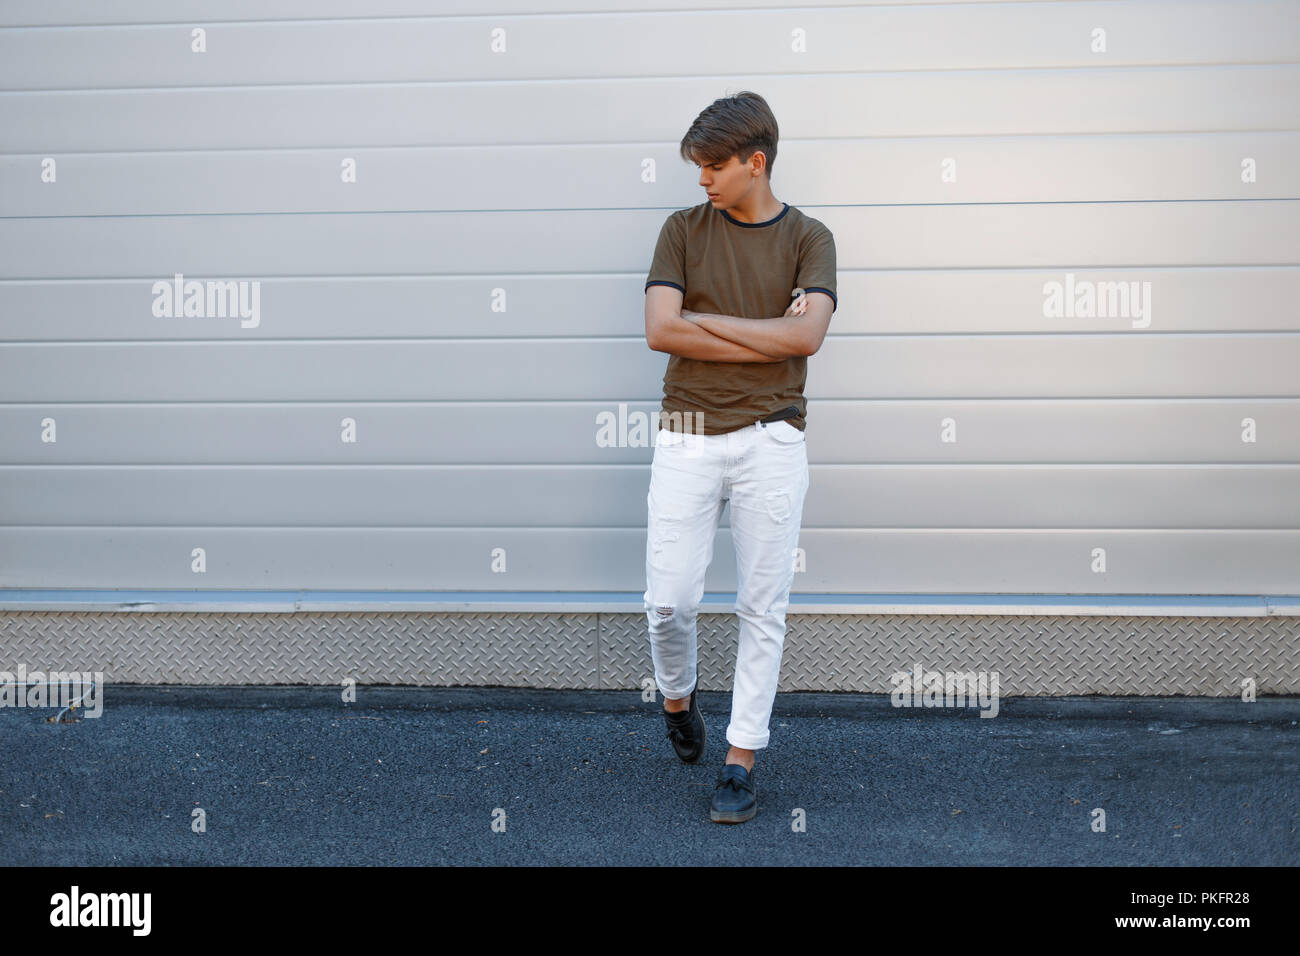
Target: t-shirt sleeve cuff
817	288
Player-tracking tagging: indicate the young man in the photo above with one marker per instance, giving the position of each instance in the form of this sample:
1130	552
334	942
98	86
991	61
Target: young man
718	300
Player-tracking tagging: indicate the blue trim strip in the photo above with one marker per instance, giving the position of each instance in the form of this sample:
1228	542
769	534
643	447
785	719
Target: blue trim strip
664	282
817	288
64	596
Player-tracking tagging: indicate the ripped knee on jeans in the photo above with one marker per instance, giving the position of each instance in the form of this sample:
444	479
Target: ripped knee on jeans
664	611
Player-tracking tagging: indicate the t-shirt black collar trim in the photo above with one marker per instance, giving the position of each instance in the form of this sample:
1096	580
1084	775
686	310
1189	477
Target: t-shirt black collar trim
757	225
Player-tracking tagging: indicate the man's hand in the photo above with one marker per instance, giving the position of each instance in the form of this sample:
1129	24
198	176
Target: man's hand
800	304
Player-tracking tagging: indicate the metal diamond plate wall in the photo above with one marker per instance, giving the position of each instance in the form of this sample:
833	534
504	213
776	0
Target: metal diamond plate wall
1033	656
524	650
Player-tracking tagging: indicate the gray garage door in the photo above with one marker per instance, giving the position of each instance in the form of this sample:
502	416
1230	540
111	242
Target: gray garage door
1066	358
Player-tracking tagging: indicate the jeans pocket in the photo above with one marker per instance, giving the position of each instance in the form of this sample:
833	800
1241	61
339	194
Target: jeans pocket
783	433
666	438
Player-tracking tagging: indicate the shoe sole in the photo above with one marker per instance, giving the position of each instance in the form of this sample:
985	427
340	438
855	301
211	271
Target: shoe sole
732	816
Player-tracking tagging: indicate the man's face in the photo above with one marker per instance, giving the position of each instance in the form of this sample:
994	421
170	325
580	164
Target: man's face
727	183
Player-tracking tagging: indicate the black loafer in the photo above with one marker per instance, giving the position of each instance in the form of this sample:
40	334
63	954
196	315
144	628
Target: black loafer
686	731
734	800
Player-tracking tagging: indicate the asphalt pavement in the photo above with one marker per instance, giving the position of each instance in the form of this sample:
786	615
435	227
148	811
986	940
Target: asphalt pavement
521	777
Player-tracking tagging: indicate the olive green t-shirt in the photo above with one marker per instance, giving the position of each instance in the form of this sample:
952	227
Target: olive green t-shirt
748	269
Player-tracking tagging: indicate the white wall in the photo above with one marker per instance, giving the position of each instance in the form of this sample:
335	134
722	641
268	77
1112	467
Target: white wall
473	301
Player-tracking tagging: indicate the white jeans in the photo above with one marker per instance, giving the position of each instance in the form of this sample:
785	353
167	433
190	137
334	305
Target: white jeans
763	471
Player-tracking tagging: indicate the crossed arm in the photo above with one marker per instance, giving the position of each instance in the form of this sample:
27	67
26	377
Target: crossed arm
731	338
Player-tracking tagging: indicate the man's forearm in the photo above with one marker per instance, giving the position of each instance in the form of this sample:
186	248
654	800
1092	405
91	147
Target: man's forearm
691	340
780	337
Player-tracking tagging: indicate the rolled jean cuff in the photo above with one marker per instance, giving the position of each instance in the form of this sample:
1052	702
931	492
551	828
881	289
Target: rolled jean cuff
673	695
746	743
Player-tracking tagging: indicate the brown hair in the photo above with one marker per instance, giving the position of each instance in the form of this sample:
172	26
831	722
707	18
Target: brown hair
733	125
